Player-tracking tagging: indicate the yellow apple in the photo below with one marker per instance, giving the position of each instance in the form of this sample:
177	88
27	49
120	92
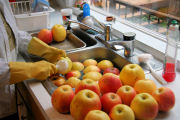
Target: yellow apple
121	112
83	102
145	107
104	64
64	65
73	82
97	115
58	32
145	86
131	73
91	68
96	76
89	62
77	66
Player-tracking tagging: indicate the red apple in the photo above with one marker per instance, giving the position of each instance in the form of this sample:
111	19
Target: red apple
127	93
83	102
109	83
112	70
109	100
165	98
58	80
61	98
88	84
45	35
121	112
73	73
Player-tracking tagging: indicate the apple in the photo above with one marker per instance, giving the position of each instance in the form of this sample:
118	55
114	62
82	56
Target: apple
73	73
83	102
58	32
96	76
144	106
105	64
121	112
64	65
109	83
73	82
97	115
89	62
131	73
61	98
57	80
145	86
88	84
112	70
45	35
77	66
109	100
165	98
126	93
91	68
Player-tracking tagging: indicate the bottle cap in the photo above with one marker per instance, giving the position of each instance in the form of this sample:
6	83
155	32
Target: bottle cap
128	36
174	22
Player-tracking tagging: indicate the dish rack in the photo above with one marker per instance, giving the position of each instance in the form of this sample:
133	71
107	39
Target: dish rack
26	19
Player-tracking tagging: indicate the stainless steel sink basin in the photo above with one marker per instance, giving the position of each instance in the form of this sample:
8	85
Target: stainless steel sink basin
97	53
84	37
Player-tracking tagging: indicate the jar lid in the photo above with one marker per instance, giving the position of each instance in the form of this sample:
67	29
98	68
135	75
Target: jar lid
174	22
129	36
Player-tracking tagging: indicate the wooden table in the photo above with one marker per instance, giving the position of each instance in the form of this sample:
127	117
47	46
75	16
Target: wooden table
144	2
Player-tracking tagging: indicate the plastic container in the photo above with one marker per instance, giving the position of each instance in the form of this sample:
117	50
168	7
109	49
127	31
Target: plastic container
169	66
66	14
26	20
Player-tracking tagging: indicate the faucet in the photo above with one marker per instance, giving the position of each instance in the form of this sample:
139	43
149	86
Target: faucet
106	33
106	38
127	42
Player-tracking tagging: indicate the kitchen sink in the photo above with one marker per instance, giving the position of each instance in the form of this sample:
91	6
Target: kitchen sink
84	37
97	53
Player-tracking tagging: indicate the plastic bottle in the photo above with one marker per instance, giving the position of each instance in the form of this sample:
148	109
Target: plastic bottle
169	66
86	10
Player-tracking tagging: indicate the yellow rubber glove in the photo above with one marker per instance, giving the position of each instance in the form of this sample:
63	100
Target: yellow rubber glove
41	49
22	71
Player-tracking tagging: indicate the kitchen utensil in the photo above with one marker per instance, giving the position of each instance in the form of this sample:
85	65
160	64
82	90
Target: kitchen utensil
145	59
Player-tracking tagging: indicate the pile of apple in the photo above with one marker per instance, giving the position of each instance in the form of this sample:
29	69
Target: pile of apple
57	33
105	93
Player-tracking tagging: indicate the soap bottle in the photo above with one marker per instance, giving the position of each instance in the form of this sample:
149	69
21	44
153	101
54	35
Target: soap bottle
169	65
86	10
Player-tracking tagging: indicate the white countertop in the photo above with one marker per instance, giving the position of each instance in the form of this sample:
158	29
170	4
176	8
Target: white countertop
43	100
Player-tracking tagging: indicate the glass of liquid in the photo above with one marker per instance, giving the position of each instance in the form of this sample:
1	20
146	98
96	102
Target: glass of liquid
169	66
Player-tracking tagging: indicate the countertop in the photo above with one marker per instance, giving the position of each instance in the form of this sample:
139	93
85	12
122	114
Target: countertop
43	98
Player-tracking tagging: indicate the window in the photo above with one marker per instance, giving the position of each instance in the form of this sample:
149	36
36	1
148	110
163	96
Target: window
152	14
